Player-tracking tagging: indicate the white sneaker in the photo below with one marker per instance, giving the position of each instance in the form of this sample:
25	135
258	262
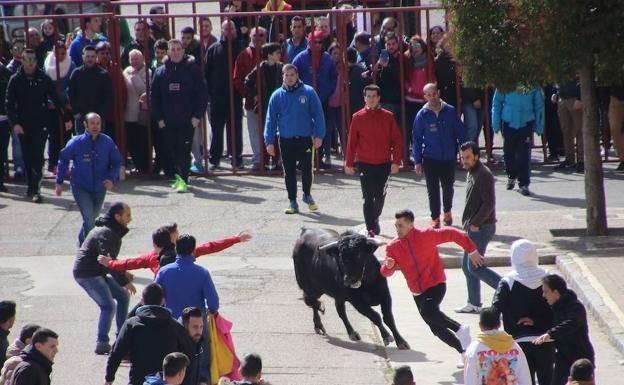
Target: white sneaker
460	363
463	334
469	309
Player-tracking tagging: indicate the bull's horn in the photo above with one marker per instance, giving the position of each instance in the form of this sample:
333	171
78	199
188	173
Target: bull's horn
374	242
328	245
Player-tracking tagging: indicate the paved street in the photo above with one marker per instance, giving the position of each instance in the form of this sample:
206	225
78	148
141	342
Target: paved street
255	280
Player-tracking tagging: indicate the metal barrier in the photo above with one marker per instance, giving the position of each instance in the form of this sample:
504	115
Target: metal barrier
340	21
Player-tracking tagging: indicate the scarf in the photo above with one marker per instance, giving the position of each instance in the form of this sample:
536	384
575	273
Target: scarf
419	61
280	7
50	66
497	340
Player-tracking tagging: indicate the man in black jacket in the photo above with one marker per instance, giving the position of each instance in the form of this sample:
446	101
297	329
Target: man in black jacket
90	89
7	319
570	333
179	101
37	359
198	371
5	129
142	42
479	221
27	98
389	76
147	338
220	84
105	286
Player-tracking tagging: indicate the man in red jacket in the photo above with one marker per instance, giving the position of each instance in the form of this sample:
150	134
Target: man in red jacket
376	145
415	252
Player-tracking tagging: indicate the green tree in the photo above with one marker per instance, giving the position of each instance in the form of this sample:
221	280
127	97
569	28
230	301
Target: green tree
525	42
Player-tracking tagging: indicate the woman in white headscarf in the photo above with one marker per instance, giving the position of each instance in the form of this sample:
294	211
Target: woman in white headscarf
526	314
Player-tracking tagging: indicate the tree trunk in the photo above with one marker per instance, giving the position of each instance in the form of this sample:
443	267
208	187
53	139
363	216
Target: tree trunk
596	215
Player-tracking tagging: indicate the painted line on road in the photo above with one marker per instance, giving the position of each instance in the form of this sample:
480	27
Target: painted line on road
595	283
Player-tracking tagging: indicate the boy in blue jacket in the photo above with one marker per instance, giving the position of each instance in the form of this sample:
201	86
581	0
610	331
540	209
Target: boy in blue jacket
296	114
437	134
95	165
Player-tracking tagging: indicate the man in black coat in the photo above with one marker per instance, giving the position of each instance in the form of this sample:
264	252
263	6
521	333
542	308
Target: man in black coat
105	286
147	338
90	89
5	129
570	333
220	84
27	96
37	359
7	319
142	42
198	371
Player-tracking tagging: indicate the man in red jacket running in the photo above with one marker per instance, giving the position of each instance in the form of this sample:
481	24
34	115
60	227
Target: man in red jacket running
376	145
415	252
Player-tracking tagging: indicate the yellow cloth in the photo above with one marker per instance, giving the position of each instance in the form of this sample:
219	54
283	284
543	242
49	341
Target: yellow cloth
499	342
221	358
280	7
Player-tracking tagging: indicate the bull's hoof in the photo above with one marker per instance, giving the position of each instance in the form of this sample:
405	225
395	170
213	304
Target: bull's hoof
355	336
403	345
320	330
388	340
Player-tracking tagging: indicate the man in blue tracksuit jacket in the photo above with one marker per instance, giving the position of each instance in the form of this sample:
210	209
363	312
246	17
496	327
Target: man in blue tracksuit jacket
437	134
95	165
518	114
179	101
296	114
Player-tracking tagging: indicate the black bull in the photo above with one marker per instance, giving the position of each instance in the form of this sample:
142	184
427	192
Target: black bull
344	267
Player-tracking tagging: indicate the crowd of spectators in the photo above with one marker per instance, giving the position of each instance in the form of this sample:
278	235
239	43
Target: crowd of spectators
335	61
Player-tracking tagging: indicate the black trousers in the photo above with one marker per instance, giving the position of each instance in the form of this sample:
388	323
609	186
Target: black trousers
5	135
160	149
439	172
540	359
443	327
56	140
219	120
374	181
33	144
554	137
177	158
136	135
517	152
295	150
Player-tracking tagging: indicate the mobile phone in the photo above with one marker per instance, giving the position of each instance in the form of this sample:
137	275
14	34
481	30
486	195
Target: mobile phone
384	56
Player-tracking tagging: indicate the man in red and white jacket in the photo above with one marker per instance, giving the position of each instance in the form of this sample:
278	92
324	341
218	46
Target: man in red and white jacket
415	252
376	145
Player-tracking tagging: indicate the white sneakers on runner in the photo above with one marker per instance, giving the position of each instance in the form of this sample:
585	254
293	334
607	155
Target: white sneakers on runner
468	309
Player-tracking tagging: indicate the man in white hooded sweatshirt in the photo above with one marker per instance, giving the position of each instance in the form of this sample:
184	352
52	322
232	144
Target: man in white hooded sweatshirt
494	357
526	314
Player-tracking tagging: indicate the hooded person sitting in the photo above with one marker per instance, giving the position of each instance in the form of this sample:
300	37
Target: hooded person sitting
526	314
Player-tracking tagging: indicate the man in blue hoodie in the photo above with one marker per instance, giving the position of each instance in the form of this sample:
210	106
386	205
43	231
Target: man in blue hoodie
296	115
186	283
437	134
95	165
179	101
90	36
174	369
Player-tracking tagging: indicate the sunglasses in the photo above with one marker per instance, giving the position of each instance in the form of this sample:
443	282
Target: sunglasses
29	59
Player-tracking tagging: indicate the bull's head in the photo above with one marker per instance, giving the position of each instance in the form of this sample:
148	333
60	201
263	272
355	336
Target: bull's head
352	254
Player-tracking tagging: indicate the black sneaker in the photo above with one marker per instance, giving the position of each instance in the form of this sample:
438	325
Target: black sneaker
36	198
102	348
565	164
553	158
3	188
620	167
580	167
213	167
524	190
511	183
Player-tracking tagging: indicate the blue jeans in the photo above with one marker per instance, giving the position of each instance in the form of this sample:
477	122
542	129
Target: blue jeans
104	291
474	275
89	203
18	157
473	119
